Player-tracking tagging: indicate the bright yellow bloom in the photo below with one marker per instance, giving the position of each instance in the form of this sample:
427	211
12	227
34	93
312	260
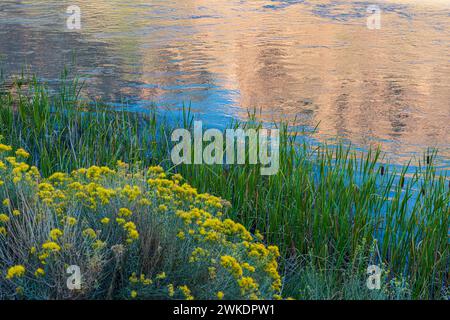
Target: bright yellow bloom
131	192
120	221
186	292
15	272
11	160
145	281
274	251
181	235
55	234
248	285
4	218
39	272
16	213
5	147
58	177
95	172
130	227
155	170
124	212
51	246
134	294
248	267
43	257
230	263
133	278
220	295
22	153
104	194
105	221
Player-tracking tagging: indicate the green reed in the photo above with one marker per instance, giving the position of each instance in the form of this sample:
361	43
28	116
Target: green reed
328	208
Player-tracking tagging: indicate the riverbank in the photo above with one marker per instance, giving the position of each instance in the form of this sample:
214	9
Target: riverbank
331	210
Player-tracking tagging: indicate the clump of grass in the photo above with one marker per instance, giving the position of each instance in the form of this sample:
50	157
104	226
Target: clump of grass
348	283
63	132
326	207
132	234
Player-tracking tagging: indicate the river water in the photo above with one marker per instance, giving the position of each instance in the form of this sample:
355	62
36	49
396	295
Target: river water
314	61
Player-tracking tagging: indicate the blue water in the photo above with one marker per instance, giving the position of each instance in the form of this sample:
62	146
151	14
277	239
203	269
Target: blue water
313	61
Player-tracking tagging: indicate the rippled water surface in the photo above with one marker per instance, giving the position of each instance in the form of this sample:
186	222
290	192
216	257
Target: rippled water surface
311	60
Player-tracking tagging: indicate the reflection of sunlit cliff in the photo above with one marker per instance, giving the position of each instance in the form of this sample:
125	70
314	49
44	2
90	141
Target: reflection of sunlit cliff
323	67
384	84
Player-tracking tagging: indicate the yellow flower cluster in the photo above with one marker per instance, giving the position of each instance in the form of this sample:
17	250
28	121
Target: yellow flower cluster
4	218
131	230
186	292
248	285
15	272
4	148
22	153
55	234
142	279
51	246
39	272
105	220
232	265
131	193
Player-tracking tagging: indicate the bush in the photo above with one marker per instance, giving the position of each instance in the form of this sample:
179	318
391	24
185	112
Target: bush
133	234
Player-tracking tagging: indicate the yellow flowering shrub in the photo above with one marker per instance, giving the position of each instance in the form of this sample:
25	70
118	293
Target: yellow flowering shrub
147	227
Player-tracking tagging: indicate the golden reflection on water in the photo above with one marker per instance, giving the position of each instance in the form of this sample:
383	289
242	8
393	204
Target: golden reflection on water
315	60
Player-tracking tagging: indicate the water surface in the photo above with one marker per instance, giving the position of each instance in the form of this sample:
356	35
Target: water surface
315	61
